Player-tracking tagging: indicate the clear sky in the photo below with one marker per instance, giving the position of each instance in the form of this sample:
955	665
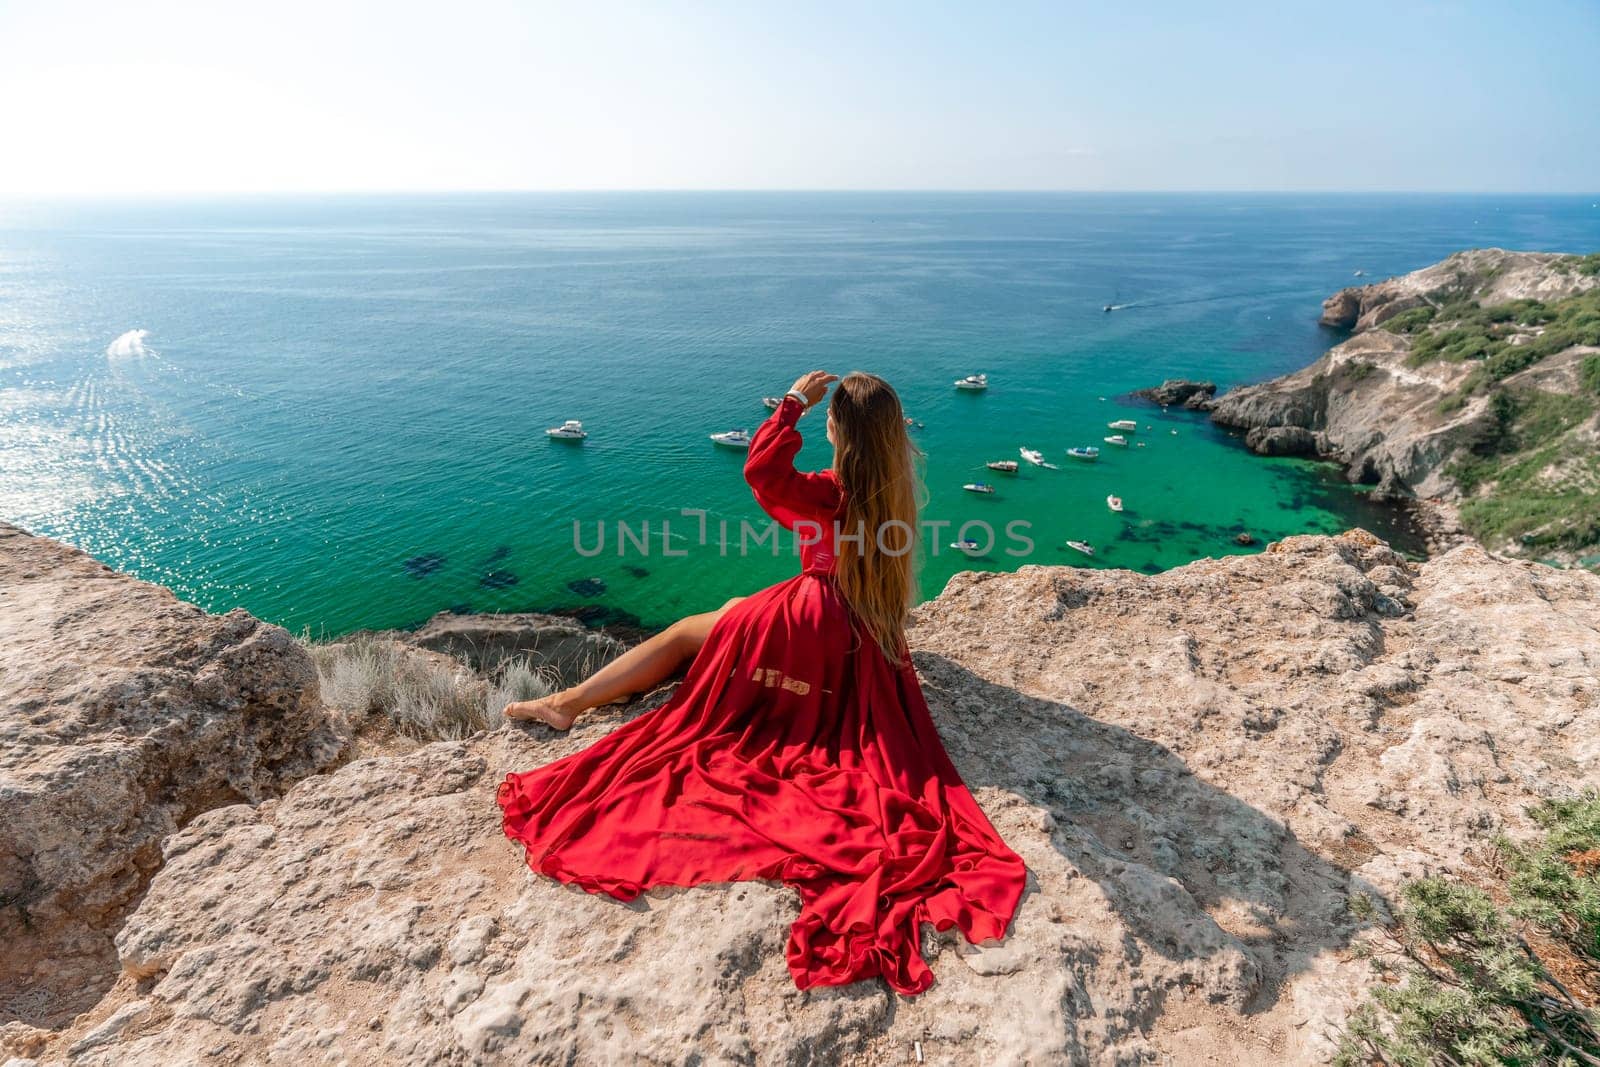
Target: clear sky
129	98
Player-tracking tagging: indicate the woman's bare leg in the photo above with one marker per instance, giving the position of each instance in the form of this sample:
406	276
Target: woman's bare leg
640	669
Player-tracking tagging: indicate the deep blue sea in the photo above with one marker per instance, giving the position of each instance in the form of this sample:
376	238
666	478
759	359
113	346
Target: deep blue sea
334	414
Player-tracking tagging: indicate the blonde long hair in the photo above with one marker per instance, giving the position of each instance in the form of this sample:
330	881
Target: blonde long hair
877	465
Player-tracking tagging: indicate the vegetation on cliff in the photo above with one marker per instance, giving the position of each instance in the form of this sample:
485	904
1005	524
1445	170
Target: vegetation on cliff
1506	337
1530	476
1495	975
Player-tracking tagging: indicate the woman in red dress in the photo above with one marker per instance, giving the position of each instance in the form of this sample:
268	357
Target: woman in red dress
798	747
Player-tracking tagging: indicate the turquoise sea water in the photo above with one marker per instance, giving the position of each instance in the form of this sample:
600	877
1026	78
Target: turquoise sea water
335	418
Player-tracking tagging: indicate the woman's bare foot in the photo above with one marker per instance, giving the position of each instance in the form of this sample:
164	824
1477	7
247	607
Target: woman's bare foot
557	710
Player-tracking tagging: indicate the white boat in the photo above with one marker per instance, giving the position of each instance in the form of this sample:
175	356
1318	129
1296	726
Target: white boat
1008	466
1124	425
1032	455
1114	503
1116	439
771	402
974	382
732	439
571	430
978	487
1082	546
968	545
1088	454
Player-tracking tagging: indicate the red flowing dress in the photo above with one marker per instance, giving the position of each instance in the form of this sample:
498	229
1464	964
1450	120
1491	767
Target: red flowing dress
792	751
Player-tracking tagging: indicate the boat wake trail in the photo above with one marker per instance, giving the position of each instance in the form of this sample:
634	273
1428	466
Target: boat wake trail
129	345
1299	291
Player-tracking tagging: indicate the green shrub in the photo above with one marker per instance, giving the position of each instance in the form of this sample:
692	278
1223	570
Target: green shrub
1589	371
1410	321
1462	330
1463	986
1546	885
1357	369
1526	433
1589	264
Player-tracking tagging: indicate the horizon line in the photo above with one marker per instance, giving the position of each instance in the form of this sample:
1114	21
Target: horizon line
214	194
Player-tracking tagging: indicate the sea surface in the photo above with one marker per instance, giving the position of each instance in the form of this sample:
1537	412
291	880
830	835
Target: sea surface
331	411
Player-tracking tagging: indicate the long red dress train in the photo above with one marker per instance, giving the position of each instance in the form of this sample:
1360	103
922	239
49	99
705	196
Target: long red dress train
793	750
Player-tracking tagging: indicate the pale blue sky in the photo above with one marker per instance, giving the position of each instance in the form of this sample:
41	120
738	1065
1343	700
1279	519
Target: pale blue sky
127	98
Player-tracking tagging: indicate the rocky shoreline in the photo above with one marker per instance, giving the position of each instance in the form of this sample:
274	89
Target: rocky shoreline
1397	417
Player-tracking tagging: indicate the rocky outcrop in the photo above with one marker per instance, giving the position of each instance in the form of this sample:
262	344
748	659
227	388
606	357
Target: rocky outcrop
124	713
1487	275
562	645
1283	441
1195	396
1199	768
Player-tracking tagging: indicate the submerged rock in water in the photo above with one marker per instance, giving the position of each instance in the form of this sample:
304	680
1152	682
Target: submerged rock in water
1244	539
499	579
635	571
499	555
424	565
587	587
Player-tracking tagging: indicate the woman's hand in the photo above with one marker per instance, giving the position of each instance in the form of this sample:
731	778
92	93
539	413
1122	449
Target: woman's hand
814	386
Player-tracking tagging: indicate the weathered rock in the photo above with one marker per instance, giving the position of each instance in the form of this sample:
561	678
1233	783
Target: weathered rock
1195	396
1282	441
1342	309
563	645
1198	767
124	713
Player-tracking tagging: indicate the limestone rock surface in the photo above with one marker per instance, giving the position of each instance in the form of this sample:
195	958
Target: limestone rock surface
1199	768
124	712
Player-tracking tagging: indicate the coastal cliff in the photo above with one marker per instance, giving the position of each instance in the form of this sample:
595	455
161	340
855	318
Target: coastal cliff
1201	768
1474	382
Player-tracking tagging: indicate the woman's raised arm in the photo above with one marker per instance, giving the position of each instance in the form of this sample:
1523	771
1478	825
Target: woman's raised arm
786	494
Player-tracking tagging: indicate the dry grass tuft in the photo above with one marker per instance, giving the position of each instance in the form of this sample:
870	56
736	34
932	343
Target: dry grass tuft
425	695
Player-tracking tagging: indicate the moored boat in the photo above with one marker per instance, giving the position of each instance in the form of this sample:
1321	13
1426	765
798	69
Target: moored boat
1116	439
732	438
1124	425
1088	454
571	430
1008	466
1032	455
1082	546
973	382
978	487
1114	503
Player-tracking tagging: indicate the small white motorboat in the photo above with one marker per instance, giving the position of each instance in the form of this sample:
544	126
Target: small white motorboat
1088	454
1116	439
571	430
1124	425
973	382
1007	466
978	487
771	402
969	546
1032	455
1114	503
1082	546
732	439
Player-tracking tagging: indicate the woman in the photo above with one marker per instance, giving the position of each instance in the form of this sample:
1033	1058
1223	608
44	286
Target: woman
799	747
